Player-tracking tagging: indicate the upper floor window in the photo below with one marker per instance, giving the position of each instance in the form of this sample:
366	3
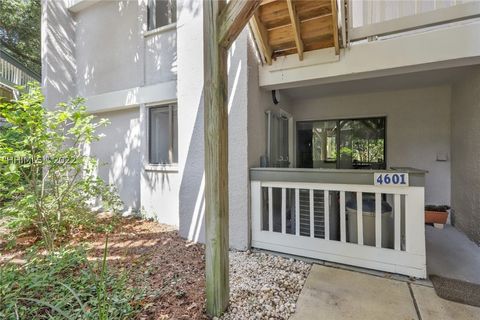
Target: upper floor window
163	135
161	13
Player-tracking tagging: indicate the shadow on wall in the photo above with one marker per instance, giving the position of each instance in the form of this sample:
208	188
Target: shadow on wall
110	59
158	179
161	57
192	188
192	209
58	53
118	153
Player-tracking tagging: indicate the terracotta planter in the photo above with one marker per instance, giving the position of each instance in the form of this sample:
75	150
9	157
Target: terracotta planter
436	217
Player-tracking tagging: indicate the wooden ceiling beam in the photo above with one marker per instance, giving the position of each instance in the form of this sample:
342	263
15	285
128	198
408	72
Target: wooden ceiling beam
233	18
261	34
335	27
296	28
264	2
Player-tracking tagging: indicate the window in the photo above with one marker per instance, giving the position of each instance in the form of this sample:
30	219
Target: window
163	135
161	13
342	144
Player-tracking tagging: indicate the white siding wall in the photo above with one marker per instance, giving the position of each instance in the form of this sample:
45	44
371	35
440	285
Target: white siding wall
418	128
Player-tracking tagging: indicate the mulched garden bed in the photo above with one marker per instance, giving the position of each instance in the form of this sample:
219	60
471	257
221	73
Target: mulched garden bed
170	270
154	257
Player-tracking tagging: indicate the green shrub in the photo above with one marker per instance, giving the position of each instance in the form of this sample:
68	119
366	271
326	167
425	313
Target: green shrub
48	182
65	285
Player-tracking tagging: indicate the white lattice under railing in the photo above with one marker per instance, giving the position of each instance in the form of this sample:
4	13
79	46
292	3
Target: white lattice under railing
321	220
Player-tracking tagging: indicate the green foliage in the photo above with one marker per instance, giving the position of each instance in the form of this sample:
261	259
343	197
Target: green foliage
48	182
20	31
65	285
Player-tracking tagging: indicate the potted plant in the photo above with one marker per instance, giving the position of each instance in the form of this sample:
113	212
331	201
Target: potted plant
436	214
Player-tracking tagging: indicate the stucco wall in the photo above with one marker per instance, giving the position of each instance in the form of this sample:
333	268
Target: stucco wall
58	53
119	151
109	46
103	54
190	111
124	56
159	185
191	117
418	128
259	102
238	184
161	57
466	155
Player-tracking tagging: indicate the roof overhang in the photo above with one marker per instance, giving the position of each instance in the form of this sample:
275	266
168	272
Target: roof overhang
285	27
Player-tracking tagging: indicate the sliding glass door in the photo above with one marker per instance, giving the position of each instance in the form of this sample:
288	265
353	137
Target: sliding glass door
342	144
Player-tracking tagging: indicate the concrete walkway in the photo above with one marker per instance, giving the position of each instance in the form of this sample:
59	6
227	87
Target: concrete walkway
331	293
451	254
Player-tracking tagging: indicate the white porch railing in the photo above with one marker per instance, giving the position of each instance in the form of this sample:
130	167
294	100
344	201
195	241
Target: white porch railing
316	220
369	18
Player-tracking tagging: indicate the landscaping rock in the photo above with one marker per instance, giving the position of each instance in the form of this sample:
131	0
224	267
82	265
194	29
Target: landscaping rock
264	286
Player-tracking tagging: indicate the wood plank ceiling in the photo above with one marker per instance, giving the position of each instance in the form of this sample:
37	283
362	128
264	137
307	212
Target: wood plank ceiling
283	27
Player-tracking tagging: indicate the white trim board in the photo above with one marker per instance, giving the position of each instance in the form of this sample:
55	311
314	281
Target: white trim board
310	58
163	92
437	49
79	5
345	253
159	30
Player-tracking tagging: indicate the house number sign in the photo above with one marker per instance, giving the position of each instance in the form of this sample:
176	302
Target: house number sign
390	179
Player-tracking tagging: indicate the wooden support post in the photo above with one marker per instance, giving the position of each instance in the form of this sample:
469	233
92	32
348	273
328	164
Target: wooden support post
234	18
216	162
222	24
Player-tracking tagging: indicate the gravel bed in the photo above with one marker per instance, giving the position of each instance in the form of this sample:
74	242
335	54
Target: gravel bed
264	286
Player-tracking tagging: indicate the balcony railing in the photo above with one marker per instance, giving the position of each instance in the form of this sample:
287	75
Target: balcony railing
370	18
342	216
13	73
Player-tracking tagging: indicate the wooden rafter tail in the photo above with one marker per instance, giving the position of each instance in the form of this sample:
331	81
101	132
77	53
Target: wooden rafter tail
296	28
233	19
335	26
261	34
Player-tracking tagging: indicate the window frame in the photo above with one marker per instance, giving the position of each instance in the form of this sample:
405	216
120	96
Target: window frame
151	6
337	136
172	106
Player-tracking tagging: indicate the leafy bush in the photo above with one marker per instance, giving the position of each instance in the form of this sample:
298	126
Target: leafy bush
65	285
47	180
